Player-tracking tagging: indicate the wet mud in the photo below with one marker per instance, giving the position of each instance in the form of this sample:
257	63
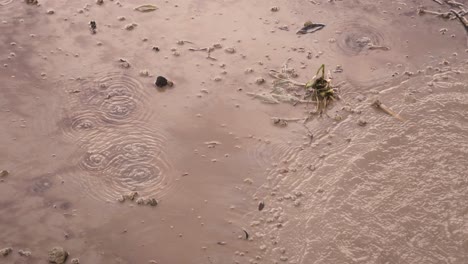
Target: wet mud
222	166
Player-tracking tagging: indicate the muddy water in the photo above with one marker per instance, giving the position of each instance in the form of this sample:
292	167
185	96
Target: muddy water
79	129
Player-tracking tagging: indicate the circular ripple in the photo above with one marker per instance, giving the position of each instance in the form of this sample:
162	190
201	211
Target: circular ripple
116	98
356	38
5	2
79	123
118	162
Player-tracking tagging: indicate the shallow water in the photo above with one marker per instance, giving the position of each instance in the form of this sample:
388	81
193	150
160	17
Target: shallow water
356	185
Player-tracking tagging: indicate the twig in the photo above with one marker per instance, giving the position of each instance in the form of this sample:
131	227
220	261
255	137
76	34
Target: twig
462	20
276	75
387	110
438	1
446	15
454	4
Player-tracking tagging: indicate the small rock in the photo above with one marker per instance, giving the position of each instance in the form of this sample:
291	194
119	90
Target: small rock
362	122
58	255
50	12
274	9
99	2
6	251
144	73
121	18
140	201
151	202
222	243
162	82
230	50
155	48
260	80
124	63
261	205
130	26
130	196
24	253
32	2
217	46
75	261
4	173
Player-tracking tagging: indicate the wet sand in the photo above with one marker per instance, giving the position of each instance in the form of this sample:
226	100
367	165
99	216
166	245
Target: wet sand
80	128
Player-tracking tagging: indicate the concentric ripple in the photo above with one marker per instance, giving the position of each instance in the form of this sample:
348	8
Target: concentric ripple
356	38
5	2
116	162
79	123
116	98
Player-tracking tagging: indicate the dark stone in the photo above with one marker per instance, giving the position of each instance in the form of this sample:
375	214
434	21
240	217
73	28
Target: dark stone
161	81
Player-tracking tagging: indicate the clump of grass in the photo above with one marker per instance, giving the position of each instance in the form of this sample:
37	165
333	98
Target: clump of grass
320	90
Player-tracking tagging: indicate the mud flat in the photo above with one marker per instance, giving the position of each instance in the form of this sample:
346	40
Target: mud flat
132	131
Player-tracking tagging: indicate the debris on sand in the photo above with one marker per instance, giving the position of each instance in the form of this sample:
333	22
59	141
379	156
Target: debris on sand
24	253
31	2
162	82
446	15
320	90
266	98
182	42
99	2
260	81
283	122
129	196
50	12
454	4
75	261
6	251
378	104
132	196
146	8
212	144
462	19
144	73
362	122
230	50
274	9
131	26
310	27
246	234
151	202
58	255
222	243
123	63
261	205
93	26
4	173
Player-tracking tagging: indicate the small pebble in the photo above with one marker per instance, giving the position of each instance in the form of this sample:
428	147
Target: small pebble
130	26
230	50
24	253
260	81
